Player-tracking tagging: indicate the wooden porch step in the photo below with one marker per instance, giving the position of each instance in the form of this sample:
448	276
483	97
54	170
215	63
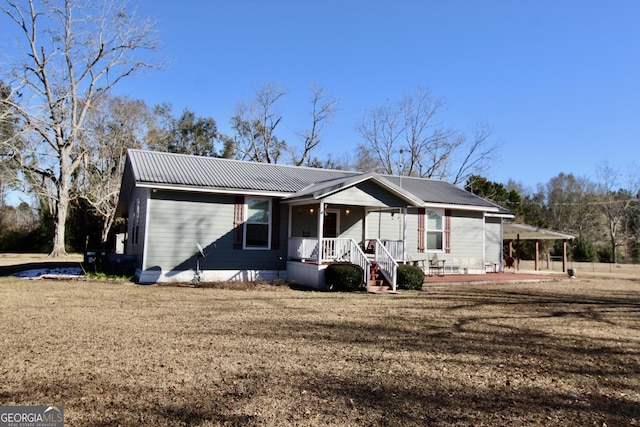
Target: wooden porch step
378	284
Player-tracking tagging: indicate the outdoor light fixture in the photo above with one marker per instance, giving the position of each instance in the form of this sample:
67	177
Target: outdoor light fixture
347	212
310	211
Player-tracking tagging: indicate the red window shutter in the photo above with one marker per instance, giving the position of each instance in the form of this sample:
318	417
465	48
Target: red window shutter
275	224
447	231
238	221
421	236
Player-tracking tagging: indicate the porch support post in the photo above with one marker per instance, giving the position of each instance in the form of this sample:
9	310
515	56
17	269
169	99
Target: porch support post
501	246
564	255
537	255
320	231
518	252
404	235
511	248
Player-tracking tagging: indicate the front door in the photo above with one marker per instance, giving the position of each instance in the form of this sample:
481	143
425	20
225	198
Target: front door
331	227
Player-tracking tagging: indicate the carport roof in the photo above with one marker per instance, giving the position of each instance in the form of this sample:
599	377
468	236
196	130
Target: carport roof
513	231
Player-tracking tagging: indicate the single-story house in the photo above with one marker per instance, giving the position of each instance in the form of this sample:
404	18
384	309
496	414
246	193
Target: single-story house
201	218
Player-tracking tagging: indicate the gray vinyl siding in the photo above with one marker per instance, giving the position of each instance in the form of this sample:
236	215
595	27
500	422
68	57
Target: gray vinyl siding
178	220
493	240
366	194
305	224
137	249
466	237
351	227
381	224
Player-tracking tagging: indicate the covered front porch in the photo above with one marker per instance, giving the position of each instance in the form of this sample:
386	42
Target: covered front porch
322	234
359	219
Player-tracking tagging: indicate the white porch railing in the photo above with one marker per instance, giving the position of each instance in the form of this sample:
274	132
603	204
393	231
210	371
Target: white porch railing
333	250
395	248
387	264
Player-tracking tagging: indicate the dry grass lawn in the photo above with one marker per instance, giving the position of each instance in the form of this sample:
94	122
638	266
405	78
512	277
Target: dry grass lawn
520	355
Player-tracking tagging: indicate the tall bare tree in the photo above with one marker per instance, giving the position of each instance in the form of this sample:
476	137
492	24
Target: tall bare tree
7	131
405	138
323	108
255	125
617	200
74	51
571	205
381	128
114	125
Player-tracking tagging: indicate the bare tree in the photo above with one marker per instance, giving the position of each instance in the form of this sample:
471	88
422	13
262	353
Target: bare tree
113	126
570	205
323	109
8	173
476	154
75	51
406	138
381	128
616	200
255	126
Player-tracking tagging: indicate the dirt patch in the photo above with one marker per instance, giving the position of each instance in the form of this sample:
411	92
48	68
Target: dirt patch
534	354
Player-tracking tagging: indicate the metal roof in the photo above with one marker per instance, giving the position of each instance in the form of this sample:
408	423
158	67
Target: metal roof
514	230
196	173
435	191
323	189
154	167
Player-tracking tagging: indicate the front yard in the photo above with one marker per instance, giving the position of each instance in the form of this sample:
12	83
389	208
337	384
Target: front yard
521	354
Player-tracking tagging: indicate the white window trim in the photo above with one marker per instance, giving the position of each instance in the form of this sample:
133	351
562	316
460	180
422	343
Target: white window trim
246	222
427	230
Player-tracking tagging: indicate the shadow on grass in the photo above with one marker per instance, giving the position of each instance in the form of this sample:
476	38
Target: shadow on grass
476	357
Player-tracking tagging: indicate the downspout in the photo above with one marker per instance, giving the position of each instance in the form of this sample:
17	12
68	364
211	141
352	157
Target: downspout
146	230
290	228
501	250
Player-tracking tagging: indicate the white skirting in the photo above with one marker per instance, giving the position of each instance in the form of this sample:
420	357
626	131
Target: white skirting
174	276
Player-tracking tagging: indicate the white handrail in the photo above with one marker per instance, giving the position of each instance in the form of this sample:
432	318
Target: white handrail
388	266
333	250
358	257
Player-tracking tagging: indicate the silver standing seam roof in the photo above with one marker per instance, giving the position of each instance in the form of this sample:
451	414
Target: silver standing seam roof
196	173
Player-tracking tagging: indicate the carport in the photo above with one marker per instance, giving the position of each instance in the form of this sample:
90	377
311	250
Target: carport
514	232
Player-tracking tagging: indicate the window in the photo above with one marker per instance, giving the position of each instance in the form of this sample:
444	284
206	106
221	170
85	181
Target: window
257	227
136	223
435	230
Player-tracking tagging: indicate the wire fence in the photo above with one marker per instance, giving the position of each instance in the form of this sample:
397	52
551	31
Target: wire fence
553	264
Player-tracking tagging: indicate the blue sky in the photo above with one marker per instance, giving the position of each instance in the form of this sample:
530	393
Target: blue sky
558	81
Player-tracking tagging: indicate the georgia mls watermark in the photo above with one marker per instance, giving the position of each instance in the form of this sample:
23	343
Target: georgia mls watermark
31	416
